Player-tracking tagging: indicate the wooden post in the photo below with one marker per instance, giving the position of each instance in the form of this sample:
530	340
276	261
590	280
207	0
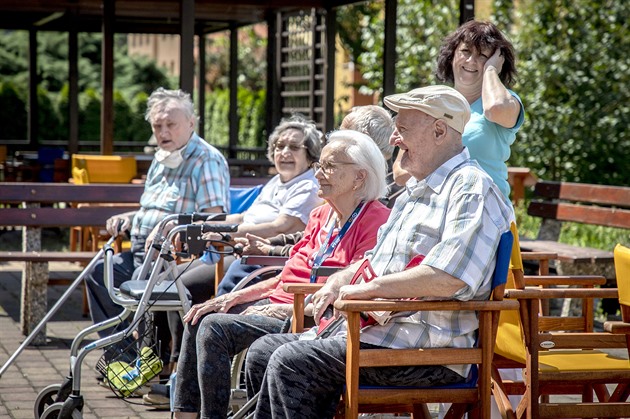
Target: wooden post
33	82
233	112
389	48
187	43
34	285
107	78
73	86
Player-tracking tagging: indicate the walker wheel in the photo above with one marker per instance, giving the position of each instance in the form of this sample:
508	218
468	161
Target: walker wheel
52	412
45	398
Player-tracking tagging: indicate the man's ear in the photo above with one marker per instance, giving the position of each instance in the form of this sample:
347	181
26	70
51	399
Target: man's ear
440	130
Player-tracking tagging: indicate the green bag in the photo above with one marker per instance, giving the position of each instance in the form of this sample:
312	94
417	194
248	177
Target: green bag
127	378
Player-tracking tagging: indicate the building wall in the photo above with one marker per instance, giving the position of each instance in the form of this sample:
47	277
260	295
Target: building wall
164	49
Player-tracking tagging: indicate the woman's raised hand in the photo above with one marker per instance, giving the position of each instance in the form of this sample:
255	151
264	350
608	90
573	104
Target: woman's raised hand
495	61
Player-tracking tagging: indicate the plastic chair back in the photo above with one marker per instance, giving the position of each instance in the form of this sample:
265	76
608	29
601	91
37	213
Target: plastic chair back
510	339
242	198
622	272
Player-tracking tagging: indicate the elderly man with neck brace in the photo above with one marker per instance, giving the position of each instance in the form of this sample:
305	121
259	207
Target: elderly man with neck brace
453	215
186	175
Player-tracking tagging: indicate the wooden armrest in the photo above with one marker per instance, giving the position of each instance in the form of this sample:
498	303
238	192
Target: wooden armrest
415	305
617	327
538	256
582	280
546	293
301	288
263	260
581	340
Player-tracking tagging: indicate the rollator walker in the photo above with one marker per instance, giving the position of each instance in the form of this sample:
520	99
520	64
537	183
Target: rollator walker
131	356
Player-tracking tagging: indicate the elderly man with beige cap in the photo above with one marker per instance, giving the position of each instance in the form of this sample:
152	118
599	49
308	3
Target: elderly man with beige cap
450	218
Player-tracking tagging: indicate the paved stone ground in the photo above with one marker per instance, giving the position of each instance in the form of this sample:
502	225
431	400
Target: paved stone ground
38	367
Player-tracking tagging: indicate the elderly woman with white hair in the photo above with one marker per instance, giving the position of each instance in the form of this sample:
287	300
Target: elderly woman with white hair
351	176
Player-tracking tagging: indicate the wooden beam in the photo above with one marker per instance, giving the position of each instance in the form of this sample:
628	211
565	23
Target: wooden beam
331	36
272	100
233	116
107	78
466	11
201	56
389	48
33	82
73	86
187	40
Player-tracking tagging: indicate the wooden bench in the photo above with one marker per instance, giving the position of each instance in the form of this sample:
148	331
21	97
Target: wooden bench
519	178
556	202
34	206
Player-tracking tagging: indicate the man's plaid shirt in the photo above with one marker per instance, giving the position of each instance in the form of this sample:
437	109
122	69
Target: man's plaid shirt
200	182
454	217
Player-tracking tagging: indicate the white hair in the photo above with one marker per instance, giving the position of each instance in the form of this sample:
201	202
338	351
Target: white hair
363	152
374	121
161	98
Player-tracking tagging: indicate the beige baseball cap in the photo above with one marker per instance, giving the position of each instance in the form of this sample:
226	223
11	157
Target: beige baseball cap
441	102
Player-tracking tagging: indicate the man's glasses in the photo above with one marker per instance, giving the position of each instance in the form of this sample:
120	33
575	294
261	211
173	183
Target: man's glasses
293	148
327	168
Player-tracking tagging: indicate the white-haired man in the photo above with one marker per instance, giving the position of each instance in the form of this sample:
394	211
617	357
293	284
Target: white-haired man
453	215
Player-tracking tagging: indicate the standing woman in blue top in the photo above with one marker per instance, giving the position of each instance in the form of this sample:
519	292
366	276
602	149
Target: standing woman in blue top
479	62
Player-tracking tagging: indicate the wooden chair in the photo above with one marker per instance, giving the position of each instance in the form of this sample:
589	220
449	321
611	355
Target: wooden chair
563	356
473	395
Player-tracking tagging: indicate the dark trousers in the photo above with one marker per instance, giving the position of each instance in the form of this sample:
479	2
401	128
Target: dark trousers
203	372
304	378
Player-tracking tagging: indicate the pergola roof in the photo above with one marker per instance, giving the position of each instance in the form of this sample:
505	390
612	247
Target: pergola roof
146	16
186	18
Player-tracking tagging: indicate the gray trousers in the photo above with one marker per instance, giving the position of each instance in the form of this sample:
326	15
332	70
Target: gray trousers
304	379
203	372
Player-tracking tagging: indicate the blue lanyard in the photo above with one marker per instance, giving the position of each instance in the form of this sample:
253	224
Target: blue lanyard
327	248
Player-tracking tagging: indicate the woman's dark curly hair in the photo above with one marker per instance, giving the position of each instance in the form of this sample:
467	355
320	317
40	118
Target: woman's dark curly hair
478	35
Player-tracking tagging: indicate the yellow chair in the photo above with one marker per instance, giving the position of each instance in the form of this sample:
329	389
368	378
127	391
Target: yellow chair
88	168
563	356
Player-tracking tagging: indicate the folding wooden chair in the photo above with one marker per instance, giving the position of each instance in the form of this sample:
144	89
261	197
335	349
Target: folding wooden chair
472	395
563	356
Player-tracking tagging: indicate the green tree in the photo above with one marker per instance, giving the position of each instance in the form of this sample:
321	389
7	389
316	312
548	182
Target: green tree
574	78
48	122
422	24
89	115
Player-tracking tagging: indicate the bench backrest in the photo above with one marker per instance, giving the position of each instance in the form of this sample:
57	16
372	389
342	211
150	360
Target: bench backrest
582	203
118	197
107	200
15	193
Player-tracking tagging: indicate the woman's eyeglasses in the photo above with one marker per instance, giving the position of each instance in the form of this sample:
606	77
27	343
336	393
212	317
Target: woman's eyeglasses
293	148
327	168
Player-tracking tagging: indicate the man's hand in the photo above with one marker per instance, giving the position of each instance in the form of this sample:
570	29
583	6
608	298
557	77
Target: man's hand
215	305
118	224
321	300
277	311
151	237
495	61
